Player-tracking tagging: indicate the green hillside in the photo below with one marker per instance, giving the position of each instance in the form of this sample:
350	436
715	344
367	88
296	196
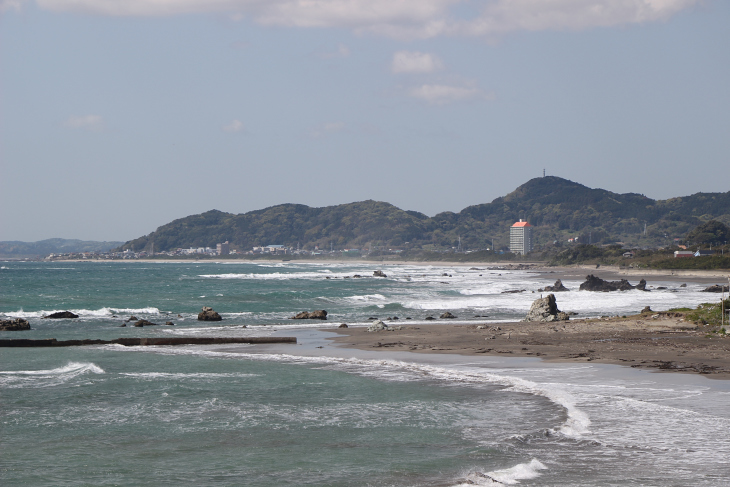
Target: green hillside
558	209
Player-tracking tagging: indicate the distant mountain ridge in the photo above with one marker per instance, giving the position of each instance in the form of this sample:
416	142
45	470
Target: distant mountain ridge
558	209
53	246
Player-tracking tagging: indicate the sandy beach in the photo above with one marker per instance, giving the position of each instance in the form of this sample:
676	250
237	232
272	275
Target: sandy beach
663	343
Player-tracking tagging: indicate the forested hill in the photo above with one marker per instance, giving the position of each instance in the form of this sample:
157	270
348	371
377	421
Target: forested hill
556	207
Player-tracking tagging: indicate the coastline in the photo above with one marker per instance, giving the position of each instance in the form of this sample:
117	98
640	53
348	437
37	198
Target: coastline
664	344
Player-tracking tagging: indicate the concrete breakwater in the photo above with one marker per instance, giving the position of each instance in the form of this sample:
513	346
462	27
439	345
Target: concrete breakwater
132	342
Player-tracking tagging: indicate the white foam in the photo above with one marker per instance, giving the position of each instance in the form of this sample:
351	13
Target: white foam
47	378
508	476
84	313
199	375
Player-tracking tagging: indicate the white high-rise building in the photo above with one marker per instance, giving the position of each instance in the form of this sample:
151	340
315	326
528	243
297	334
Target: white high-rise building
520	238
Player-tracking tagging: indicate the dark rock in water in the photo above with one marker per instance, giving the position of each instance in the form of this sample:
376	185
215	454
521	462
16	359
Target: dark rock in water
408	317
546	309
132	318
142	323
447	315
642	285
357	276
661	288
372	318
683	285
207	314
343	325
18	324
716	288
169	323
379	274
429	318
319	314
61	315
123	325
514	291
555	288
594	283
647	309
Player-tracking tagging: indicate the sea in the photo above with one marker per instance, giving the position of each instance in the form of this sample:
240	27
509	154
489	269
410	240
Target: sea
317	414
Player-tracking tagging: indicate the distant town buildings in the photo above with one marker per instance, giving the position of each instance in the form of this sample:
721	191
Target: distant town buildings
520	238
223	248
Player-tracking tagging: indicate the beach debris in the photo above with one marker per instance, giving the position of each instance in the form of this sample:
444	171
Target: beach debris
594	283
319	314
379	274
61	315
546	309
555	288
377	325
207	314
343	325
482	327
447	316
716	288
18	324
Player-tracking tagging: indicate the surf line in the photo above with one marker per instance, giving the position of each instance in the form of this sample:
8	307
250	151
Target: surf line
134	342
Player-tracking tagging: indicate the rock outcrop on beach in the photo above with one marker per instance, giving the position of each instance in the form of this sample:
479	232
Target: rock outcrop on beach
61	315
555	288
594	283
447	315
546	309
18	324
379	274
207	314
716	288
319	314
377	325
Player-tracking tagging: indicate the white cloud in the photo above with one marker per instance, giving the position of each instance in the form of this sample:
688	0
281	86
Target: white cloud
327	128
88	122
441	94
415	62
398	18
234	126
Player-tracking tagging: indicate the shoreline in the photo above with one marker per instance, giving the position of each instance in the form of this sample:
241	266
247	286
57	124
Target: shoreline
665	344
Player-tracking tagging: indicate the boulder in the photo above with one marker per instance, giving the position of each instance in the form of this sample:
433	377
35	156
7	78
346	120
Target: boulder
447	315
642	285
207	314
546	309
429	318
18	324
379	274
142	323
716	288
647	309
594	283
555	288
132	318
683	285
169	323
319	314
377	325
357	276
61	315
343	325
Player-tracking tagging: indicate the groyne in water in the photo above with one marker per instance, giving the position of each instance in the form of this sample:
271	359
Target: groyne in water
132	342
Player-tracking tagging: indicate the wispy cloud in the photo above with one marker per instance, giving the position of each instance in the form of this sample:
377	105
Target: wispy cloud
341	51
441	94
327	128
87	122
402	18
234	126
415	62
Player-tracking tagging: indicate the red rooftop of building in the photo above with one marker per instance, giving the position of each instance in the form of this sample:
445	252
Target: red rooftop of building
521	224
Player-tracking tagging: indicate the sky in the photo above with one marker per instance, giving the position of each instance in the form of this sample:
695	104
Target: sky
119	116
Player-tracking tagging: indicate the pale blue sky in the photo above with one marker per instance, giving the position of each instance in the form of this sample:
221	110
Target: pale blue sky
120	116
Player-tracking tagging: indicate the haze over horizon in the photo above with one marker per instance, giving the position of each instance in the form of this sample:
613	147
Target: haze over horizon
120	116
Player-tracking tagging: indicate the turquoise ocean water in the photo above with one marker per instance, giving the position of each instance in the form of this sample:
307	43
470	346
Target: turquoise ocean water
300	415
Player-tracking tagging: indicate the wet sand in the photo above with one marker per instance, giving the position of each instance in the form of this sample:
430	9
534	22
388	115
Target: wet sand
663	343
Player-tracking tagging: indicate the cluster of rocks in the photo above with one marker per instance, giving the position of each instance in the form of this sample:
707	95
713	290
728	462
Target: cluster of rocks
546	309
319	314
555	288
141	323
207	314
597	284
716	288
18	324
